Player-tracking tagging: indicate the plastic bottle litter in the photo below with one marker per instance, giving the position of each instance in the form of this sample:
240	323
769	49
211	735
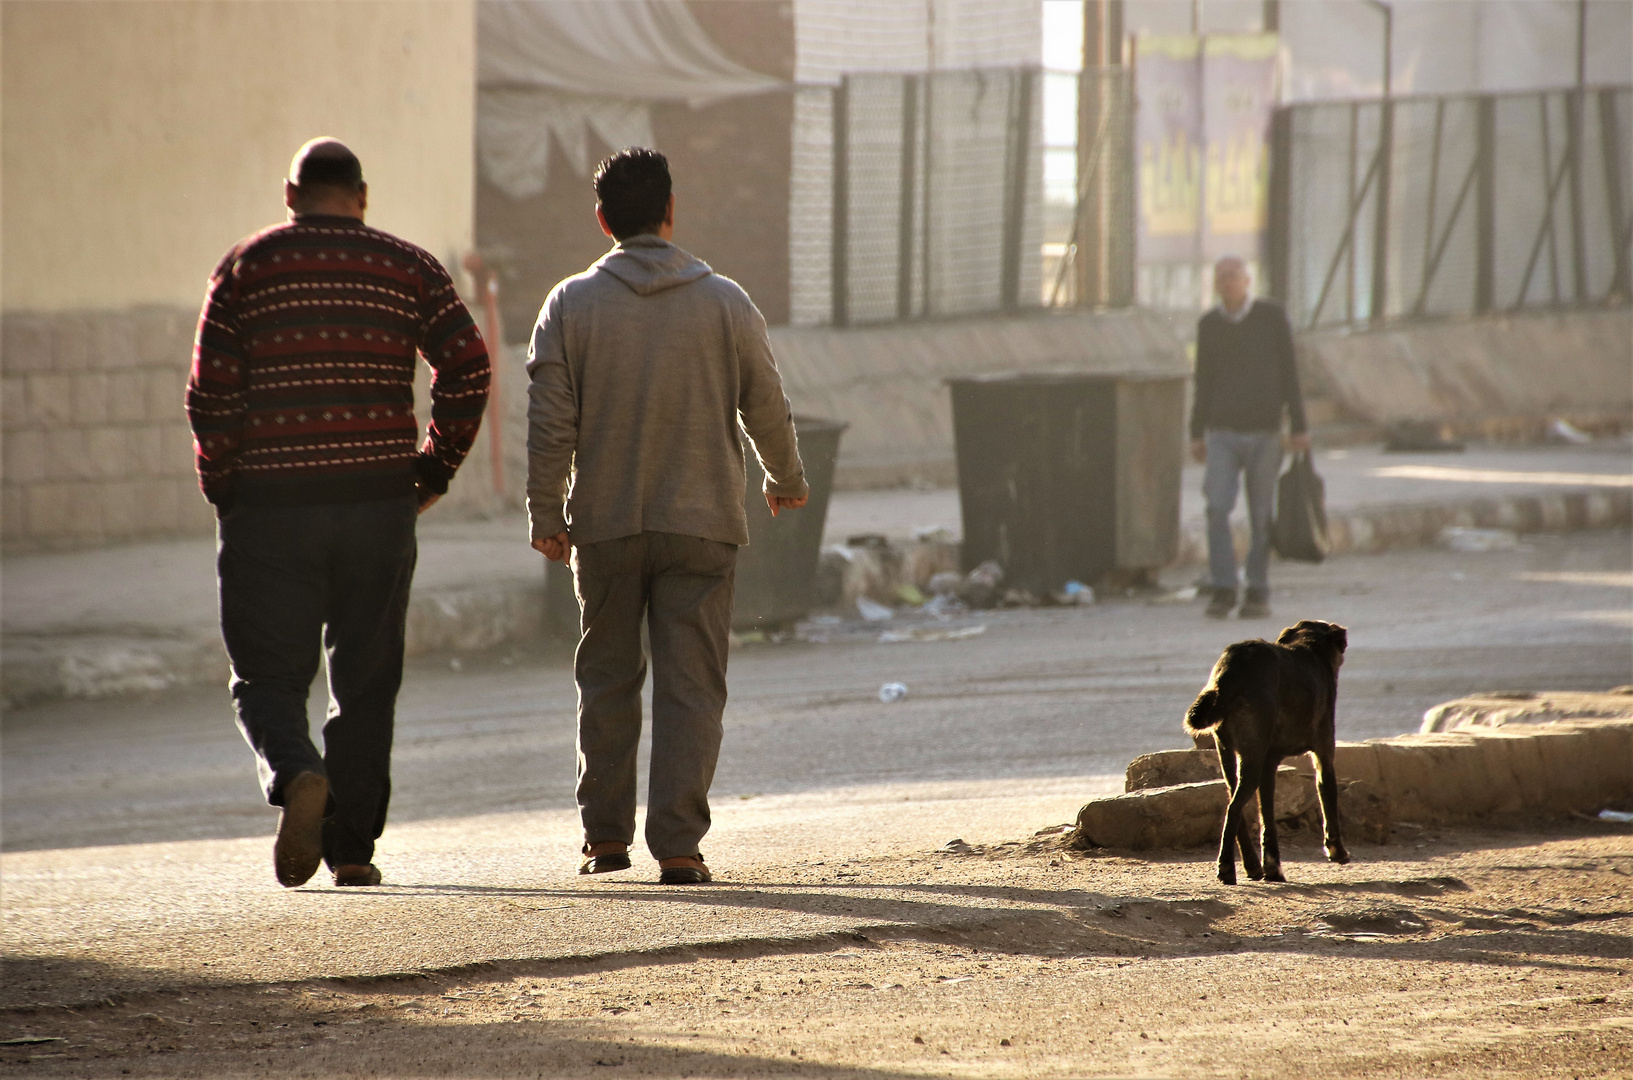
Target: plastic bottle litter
872	610
892	691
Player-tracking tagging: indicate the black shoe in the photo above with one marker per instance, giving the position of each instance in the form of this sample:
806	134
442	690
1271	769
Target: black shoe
351	874
1256	606
685	875
298	850
1219	607
604	864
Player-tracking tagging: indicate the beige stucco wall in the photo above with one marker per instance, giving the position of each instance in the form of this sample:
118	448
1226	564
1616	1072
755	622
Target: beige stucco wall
141	139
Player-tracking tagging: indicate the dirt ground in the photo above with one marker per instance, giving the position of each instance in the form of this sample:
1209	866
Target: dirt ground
1446	953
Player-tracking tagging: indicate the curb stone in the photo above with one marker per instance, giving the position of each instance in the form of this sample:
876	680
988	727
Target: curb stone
54	667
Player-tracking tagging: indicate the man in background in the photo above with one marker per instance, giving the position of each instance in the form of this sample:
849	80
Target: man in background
1246	380
301	401
642	368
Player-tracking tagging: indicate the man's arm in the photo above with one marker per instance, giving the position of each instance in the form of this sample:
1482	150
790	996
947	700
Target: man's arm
216	400
767	417
460	374
552	430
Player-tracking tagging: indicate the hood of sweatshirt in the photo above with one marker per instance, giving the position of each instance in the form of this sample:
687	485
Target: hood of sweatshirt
649	264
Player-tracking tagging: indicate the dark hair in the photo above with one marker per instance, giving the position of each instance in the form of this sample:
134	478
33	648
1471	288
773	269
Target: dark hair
633	188
325	162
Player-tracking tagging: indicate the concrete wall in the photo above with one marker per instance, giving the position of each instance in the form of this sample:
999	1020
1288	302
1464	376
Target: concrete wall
1495	376
888	382
140	140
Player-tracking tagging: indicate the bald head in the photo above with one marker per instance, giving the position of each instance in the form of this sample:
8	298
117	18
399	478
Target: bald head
325	177
1231	281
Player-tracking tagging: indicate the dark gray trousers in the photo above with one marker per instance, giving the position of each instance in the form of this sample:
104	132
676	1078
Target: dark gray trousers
682	587
297	579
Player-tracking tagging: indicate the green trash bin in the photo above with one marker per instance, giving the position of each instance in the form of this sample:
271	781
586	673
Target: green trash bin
1069	477
777	571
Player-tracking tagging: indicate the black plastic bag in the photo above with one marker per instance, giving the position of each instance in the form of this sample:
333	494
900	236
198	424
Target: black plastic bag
1300	531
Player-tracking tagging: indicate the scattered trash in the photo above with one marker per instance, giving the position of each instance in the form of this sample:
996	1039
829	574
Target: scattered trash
1177	596
749	637
872	610
945	583
933	534
908	593
930	633
1478	541
1073	592
1566	432
1054	829
943	606
1020	598
1418	436
979	589
1621	816
456	664
957	847
32	1040
892	691
945	981
867	540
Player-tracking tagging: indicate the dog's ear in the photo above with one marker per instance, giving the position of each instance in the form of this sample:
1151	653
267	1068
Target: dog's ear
1300	629
1338	636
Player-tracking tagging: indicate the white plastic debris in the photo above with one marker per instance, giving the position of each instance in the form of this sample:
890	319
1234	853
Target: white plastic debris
1621	816
1566	432
892	691
1478	541
872	610
931	633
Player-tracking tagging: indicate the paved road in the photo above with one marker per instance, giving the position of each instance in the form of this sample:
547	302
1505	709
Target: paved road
1041	694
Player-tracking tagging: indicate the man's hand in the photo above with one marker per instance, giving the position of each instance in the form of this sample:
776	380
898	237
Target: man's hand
555	548
1199	451
1299	444
783	502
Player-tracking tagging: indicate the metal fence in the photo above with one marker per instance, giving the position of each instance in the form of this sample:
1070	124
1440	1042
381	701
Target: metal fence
1451	205
936	198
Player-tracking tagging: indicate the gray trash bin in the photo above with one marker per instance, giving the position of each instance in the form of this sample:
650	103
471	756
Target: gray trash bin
1069	477
777	571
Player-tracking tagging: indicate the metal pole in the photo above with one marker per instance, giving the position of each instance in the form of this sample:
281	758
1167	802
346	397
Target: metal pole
1386	148
1610	153
1271	20
1485	206
839	255
1019	145
904	226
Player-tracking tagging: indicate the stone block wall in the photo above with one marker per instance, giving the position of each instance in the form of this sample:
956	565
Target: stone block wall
96	445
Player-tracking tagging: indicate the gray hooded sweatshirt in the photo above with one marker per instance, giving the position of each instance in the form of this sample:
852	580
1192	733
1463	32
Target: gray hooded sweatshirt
642	368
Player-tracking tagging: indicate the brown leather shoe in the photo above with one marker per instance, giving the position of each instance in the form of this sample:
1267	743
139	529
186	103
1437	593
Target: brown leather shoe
357	874
298	850
687	870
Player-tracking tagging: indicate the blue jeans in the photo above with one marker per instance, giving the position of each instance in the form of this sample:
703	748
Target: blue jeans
1232	454
296	580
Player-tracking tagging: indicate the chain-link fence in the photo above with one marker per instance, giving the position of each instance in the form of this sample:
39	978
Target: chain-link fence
1451	205
931	194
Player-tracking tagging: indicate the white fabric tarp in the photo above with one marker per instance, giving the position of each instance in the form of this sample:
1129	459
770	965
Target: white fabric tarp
563	68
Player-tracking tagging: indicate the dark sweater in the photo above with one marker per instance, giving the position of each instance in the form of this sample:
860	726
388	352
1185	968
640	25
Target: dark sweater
1245	372
302	389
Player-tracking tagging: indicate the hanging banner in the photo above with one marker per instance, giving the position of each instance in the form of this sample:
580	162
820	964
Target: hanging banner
1238	97
1168	147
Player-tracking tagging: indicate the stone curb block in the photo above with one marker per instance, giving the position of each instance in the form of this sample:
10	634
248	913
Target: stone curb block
51	668
1483	774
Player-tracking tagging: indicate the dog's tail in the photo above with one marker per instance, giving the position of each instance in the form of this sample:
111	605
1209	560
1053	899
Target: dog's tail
1204	713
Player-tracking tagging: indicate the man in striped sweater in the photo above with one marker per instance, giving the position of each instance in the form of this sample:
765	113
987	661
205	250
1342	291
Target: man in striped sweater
301	401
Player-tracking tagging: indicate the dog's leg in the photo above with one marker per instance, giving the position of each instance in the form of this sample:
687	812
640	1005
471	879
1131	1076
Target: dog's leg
1227	837
1327	788
1247	786
1267	814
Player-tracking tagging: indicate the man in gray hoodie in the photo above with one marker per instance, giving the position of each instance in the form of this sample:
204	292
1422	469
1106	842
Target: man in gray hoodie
643	367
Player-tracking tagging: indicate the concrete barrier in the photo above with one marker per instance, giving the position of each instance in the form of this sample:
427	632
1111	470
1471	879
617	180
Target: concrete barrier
1502	774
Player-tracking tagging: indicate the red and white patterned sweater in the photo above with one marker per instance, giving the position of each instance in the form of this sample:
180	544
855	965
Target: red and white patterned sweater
302	389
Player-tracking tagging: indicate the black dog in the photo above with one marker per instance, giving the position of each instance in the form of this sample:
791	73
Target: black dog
1263	703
